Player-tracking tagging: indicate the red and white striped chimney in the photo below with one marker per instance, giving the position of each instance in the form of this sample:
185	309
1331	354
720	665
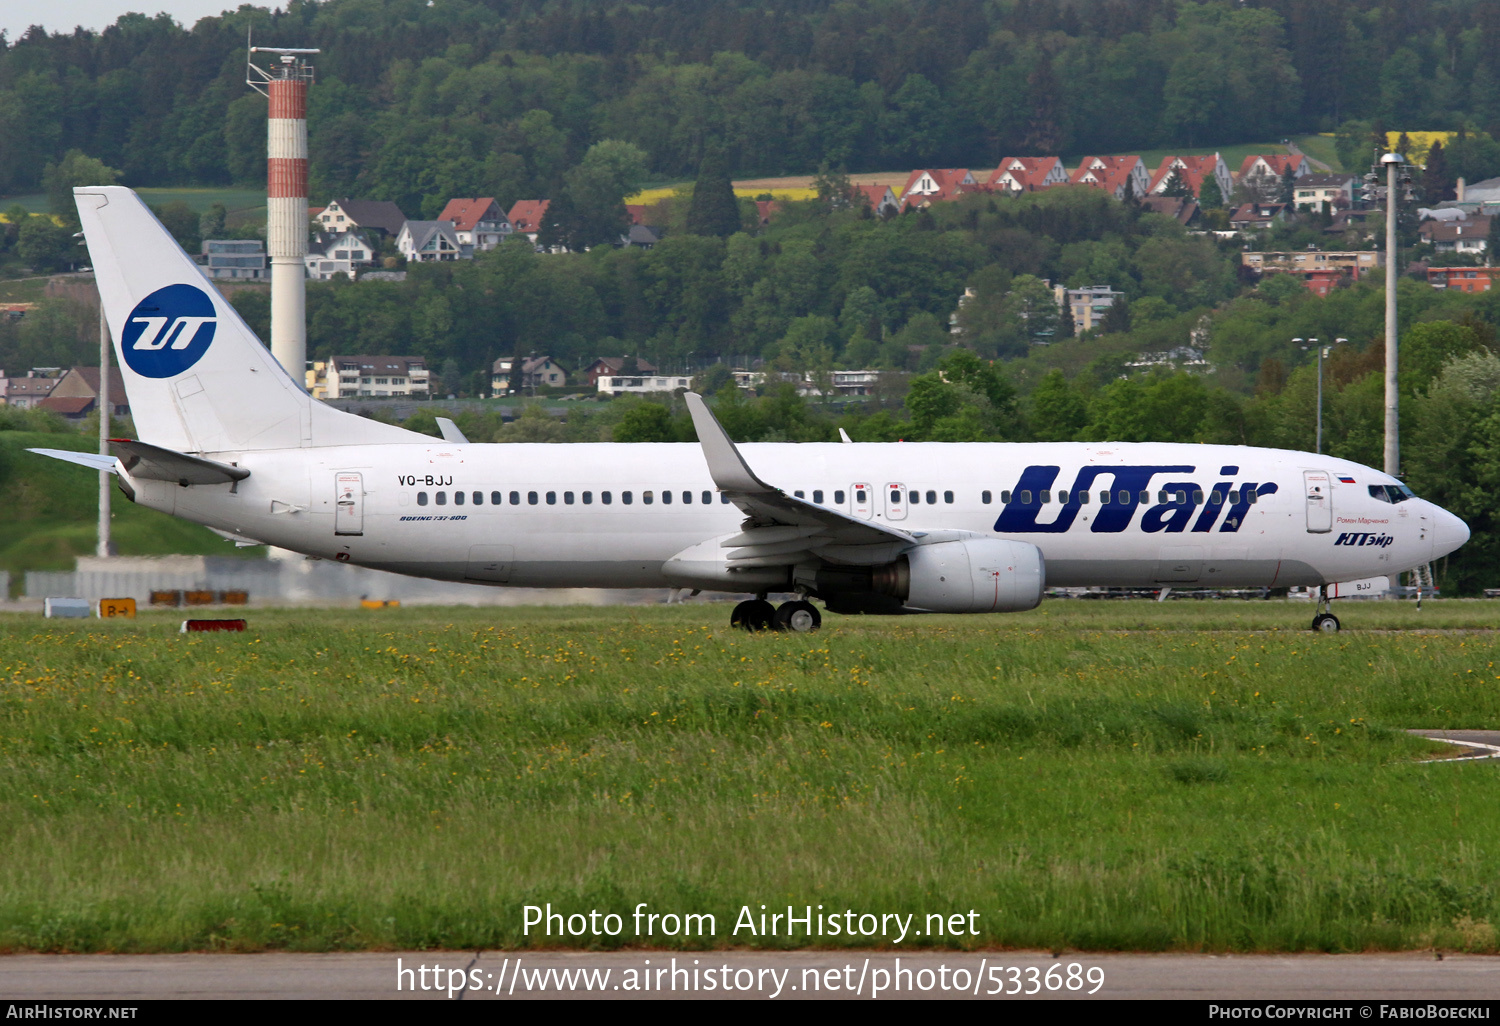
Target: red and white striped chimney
286	201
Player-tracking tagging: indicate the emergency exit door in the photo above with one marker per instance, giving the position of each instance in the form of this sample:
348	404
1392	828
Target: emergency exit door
349	503
1318	486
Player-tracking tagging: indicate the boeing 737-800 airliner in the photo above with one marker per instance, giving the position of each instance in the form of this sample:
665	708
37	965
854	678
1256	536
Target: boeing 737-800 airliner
228	439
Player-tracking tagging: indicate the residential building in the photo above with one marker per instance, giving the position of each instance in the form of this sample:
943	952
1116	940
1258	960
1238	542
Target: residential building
621	384
371	217
25	393
526	217
534	372
243	259
342	253
636	212
764	209
882	199
1312	191
1182	357
1089	304
342	377
430	242
1028	174
1320	271
1192	170
1119	176
934	185
641	236
1262	174
613	365
83	383
1254	216
1464	279
1182	209
73	407
1461	237
855	382
478	222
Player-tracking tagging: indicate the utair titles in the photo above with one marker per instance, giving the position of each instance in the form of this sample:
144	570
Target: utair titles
751	921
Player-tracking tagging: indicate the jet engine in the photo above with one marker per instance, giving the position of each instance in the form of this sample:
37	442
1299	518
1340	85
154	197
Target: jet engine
979	575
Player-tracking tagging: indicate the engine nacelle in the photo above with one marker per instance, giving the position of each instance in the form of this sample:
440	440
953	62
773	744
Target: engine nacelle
980	575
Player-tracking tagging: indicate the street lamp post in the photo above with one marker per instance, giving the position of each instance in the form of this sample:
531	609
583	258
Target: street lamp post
1322	352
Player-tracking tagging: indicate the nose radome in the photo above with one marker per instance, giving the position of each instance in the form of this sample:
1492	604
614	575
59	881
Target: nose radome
1448	532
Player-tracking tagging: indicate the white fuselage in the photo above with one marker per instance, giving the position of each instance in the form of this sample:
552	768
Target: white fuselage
597	515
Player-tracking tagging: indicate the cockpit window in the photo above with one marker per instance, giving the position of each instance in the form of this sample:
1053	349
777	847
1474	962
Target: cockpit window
1391	493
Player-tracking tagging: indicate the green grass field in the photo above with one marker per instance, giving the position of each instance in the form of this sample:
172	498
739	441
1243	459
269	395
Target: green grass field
1125	775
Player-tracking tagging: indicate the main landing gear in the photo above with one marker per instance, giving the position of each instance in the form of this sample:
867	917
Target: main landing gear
1323	620
799	616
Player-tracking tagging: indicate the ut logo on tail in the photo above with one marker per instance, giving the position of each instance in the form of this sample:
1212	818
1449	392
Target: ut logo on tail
169	331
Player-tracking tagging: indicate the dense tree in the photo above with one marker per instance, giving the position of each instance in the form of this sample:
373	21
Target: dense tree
714	209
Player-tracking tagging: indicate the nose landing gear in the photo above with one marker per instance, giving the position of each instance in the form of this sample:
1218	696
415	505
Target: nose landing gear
1323	620
798	616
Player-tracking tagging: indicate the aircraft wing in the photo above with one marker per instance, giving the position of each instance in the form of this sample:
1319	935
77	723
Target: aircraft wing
154	463
779	528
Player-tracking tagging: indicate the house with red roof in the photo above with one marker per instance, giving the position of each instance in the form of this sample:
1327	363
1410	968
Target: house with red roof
882	199
1262	174
1193	170
1028	174
1118	176
526	217
478	222
934	185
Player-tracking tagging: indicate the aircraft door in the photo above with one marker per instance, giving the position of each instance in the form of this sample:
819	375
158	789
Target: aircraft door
895	501
862	501
349	503
1319	489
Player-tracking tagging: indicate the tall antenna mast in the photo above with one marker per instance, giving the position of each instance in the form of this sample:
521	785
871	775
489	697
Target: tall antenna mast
285	85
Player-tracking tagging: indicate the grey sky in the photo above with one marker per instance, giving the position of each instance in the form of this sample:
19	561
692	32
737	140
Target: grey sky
16	16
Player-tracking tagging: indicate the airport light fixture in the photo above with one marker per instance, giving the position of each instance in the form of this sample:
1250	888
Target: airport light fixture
1322	352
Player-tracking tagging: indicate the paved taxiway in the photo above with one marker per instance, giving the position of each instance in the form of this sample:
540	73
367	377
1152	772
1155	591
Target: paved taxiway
1362	977
1468	744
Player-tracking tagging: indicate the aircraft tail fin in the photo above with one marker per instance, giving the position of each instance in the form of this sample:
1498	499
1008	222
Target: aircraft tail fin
197	378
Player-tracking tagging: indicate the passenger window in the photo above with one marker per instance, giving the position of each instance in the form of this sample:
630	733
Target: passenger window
1251	496
515	498
1161	496
478	498
1046	496
1197	498
1145	497
914	498
1216	497
606	498
859	495
1005	497
1025	498
666	496
567	498
1234	497
708	498
531	498
588	498
724	498
1124	498
1104	498
648	497
687	498
626	498
895	498
931	497
838	497
948	497
442	498
984	497
817	495
1062	497
798	494
1083	498
496	498
458	498
421	498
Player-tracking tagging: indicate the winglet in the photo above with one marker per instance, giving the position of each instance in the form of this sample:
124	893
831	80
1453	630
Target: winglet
725	464
450	431
844	436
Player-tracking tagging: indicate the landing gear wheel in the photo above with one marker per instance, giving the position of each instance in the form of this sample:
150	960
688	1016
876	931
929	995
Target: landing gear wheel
1327	623
753	615
798	616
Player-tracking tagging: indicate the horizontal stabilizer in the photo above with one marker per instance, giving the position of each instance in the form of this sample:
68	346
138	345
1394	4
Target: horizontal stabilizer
154	463
92	460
